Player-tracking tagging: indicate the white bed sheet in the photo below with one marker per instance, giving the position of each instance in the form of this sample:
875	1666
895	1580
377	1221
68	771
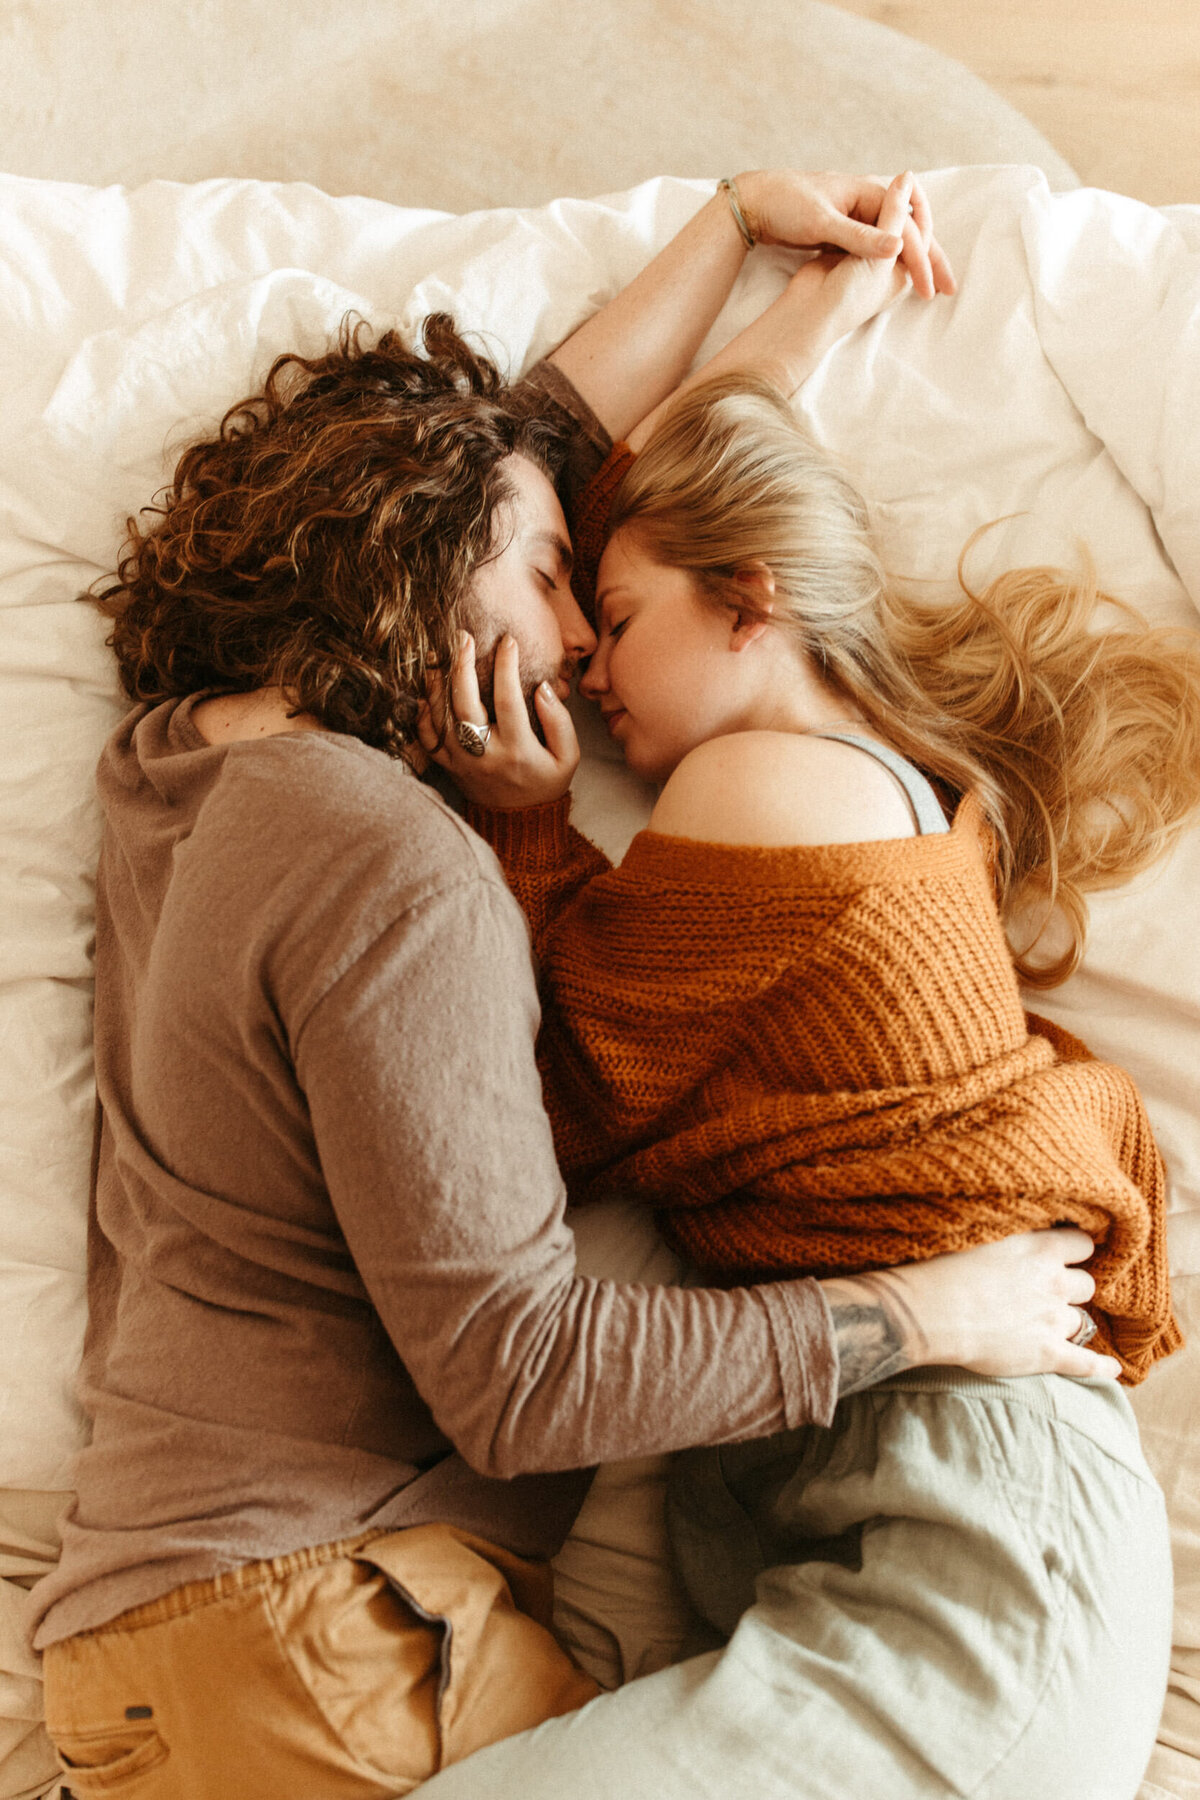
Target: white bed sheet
1062	385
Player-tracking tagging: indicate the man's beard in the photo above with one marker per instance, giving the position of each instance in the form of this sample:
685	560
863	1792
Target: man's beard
487	637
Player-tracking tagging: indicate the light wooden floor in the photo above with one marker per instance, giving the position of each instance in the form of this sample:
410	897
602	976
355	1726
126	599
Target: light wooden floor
1113	84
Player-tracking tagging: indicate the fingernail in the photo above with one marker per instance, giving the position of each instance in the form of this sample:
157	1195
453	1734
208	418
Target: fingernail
464	638
508	640
547	692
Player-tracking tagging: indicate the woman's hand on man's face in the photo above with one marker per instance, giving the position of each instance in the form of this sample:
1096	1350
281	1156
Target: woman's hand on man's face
846	212
515	769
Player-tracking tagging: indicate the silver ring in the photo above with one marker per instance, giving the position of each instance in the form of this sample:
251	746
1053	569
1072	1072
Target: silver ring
1086	1330
473	738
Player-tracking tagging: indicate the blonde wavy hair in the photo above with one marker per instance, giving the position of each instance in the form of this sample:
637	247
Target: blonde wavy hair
1082	744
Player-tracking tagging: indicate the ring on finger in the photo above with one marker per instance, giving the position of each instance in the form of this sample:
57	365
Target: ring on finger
1085	1330
473	738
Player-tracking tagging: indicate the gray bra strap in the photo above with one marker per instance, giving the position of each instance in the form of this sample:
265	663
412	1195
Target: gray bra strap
926	807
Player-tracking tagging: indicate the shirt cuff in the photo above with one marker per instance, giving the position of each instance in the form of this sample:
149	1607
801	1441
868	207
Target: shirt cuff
806	1348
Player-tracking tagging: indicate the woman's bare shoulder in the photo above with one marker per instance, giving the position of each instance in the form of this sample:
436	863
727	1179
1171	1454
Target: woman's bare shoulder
774	788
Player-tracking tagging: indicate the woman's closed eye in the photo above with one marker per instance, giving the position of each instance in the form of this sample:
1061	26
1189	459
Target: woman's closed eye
616	627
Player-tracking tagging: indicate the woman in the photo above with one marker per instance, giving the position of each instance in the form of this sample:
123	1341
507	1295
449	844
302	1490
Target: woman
790	1021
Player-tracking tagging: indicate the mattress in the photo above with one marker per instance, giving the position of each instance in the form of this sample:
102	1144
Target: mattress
1058	393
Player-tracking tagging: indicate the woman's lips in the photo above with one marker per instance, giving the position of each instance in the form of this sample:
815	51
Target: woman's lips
613	719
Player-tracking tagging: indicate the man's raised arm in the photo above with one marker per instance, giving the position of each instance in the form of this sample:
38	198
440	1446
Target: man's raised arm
635	351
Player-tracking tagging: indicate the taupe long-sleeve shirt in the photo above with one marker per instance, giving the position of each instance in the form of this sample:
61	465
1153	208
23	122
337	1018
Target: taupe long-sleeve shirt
330	1284
331	1287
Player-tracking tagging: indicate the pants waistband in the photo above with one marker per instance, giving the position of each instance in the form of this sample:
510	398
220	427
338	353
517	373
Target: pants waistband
1100	1410
243	1579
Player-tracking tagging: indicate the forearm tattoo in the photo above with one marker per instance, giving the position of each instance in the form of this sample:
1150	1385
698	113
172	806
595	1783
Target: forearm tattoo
877	1334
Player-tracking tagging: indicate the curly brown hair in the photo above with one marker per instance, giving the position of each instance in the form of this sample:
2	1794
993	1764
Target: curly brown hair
324	541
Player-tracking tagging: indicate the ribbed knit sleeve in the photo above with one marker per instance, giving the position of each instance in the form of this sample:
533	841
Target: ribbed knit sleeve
588	518
546	862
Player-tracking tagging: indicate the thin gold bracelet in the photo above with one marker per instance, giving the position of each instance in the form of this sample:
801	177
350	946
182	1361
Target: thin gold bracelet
735	206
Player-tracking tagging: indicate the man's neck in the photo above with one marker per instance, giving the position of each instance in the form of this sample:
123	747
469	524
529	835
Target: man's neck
230	718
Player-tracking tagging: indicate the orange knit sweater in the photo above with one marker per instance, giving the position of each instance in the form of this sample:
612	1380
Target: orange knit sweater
815	1060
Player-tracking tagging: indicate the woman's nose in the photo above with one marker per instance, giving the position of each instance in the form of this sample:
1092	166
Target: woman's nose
578	638
594	680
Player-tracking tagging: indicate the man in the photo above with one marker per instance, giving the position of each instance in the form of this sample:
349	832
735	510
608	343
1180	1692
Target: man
342	1375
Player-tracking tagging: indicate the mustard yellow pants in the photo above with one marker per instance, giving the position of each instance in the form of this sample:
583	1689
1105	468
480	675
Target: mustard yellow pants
350	1671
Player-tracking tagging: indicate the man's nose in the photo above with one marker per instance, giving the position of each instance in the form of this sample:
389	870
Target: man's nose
579	640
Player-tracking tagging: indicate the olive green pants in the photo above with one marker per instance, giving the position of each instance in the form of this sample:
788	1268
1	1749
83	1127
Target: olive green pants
963	1588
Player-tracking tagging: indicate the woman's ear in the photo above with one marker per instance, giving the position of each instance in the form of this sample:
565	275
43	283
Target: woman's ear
751	620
